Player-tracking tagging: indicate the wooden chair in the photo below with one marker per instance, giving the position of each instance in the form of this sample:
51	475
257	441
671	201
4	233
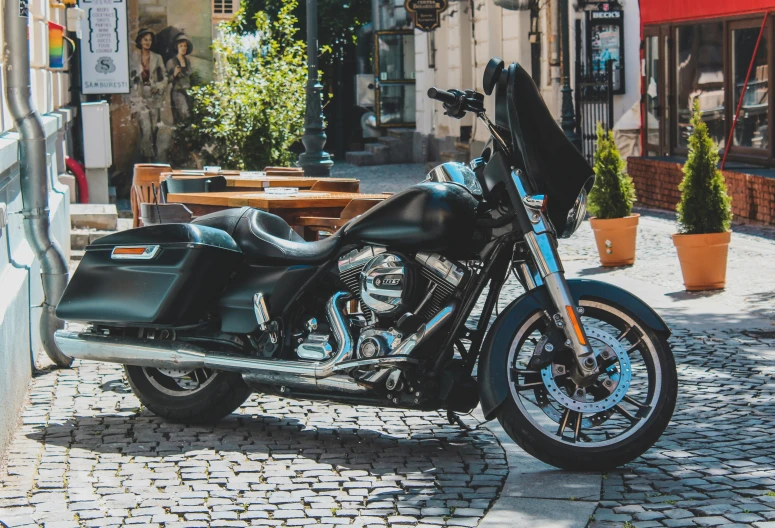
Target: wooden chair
193	185
337	186
146	178
314	226
164	213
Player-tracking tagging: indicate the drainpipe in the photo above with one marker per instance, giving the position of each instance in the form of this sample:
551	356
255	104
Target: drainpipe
34	174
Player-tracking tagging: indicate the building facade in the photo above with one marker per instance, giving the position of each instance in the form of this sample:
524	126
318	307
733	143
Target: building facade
470	32
20	284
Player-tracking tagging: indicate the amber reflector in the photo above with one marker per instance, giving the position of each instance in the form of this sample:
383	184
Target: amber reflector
129	251
576	326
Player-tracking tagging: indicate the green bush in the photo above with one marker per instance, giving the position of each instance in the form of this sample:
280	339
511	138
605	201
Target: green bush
253	112
705	206
613	193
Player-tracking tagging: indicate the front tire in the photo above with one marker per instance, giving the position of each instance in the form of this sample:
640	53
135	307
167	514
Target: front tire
196	397
617	419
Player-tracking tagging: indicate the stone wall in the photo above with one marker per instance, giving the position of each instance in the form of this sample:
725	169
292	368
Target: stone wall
753	197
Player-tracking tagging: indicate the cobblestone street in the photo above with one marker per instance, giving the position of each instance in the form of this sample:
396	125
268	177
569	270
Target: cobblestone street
87	454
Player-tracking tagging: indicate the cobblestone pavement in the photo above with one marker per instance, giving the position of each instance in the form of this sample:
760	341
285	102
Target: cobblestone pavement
715	465
86	454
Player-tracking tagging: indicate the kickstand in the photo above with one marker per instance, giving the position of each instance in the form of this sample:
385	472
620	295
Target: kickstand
455	419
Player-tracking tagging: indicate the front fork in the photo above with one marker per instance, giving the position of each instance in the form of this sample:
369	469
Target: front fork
542	244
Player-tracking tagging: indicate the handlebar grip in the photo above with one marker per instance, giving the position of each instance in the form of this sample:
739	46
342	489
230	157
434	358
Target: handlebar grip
443	96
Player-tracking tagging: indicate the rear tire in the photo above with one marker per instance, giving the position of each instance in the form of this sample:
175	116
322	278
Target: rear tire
220	395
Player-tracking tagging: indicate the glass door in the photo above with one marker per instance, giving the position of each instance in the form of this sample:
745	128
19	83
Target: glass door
395	78
752	134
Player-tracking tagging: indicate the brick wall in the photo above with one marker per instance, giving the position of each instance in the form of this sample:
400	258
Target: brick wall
753	197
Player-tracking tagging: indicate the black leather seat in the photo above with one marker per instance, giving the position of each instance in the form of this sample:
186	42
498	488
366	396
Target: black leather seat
268	239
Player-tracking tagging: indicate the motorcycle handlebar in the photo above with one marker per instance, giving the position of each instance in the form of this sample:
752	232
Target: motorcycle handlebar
443	96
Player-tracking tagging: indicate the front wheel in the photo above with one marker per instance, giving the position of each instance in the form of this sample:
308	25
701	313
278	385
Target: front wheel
597	425
196	396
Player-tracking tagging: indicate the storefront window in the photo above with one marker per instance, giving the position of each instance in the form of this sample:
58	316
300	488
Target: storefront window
751	130
700	76
652	90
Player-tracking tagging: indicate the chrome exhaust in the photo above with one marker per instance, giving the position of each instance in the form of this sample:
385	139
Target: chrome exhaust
178	355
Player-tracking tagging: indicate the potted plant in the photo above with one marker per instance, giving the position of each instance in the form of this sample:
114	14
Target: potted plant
610	203
704	214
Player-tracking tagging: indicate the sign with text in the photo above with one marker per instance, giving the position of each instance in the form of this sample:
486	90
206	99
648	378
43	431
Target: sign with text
427	13
605	41
104	47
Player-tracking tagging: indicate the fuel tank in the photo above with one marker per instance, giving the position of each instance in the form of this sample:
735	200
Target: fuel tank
438	217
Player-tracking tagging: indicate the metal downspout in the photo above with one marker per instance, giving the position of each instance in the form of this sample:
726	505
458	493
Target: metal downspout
34	174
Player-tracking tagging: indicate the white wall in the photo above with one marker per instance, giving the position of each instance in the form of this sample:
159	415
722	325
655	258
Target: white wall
20	284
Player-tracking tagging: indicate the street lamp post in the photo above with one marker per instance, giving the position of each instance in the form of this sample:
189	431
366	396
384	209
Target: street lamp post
315	161
568	122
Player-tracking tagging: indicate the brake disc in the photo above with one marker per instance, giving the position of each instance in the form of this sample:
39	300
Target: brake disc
619	373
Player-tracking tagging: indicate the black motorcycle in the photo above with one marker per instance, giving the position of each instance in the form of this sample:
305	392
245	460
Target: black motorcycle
578	372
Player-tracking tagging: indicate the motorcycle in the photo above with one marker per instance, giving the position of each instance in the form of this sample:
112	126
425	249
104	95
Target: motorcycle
579	373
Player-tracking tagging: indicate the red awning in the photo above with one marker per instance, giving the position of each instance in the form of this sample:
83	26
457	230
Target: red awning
661	11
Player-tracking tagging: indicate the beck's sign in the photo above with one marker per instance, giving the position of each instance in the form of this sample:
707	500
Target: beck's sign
427	13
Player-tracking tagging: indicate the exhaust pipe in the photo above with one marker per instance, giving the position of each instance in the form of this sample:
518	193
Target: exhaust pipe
184	356
179	355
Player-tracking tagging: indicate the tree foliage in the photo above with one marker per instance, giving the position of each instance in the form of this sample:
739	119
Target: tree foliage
705	206
253	112
613	193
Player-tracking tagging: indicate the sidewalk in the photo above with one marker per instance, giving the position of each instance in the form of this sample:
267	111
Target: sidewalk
87	454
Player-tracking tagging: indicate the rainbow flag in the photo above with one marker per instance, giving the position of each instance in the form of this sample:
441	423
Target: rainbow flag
56	46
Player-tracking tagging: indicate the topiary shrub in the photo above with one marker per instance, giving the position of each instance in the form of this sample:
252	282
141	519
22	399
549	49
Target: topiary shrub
705	206
252	114
613	193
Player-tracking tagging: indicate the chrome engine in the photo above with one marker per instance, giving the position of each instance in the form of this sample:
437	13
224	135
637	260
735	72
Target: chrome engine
396	292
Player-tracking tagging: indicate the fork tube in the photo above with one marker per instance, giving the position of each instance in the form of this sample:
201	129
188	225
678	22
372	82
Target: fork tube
542	244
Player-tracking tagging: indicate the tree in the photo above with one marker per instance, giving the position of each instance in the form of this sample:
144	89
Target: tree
613	193
252	114
705	206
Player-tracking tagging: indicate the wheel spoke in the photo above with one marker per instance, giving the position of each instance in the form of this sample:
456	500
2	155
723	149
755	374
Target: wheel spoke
527	386
635	345
577	429
636	403
563	422
624	333
621	410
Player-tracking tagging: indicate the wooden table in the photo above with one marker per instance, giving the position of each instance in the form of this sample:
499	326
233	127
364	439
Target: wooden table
288	207
257	183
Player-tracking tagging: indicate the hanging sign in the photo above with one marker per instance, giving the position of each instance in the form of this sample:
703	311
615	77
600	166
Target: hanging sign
104	47
427	13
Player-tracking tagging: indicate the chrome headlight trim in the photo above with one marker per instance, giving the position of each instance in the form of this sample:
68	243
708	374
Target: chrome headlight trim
576	215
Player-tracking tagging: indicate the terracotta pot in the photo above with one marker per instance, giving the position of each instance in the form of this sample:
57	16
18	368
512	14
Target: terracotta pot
703	260
615	238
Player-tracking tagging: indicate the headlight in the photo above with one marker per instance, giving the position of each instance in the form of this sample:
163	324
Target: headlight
576	215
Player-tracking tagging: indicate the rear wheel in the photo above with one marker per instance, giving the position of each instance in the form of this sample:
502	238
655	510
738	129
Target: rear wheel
598	425
196	396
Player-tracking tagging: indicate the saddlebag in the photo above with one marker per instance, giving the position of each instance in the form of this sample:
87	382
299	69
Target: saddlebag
165	275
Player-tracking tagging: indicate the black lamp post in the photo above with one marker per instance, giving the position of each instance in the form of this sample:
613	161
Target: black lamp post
568	122
315	161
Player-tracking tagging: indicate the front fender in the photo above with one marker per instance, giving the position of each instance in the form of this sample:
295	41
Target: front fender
492	376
